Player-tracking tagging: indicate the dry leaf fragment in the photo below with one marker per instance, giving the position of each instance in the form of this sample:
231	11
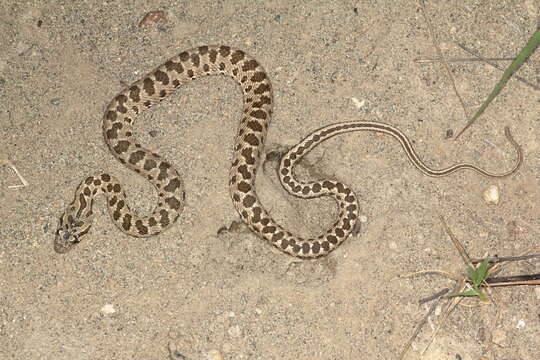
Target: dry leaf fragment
153	17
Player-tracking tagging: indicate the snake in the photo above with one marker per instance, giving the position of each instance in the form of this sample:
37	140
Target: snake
248	150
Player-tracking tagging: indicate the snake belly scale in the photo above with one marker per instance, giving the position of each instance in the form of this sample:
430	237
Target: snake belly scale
248	149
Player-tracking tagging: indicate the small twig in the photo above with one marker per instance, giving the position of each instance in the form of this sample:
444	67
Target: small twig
497	259
455	298
440	56
498	266
515	283
418	329
434	296
424	61
513	278
457	243
428	272
490	62
451	306
492	328
23	180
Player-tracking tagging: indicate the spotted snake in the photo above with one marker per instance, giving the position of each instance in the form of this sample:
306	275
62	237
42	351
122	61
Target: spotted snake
248	150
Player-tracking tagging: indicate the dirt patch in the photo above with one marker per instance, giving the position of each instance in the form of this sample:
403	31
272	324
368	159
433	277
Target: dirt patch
201	289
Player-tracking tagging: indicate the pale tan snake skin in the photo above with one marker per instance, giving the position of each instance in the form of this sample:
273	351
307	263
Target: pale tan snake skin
248	150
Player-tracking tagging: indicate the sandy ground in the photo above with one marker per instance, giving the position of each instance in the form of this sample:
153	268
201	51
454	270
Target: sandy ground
197	289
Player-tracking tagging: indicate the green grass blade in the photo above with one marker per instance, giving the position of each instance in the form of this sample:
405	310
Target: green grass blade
529	48
470	292
483	297
471	273
481	273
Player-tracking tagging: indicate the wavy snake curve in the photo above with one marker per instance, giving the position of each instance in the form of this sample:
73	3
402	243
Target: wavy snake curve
248	149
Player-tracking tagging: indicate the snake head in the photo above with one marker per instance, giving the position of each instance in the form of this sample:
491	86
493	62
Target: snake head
71	230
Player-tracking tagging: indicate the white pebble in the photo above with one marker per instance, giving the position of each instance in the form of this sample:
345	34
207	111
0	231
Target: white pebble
108	309
491	195
359	104
214	355
362	219
234	331
520	324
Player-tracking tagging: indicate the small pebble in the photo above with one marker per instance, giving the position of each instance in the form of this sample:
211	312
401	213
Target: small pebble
108	309
234	331
155	17
520	324
358	103
227	348
498	336
174	354
362	219
491	195
55	101
515	228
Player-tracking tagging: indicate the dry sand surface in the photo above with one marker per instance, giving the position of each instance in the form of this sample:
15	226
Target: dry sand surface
204	288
